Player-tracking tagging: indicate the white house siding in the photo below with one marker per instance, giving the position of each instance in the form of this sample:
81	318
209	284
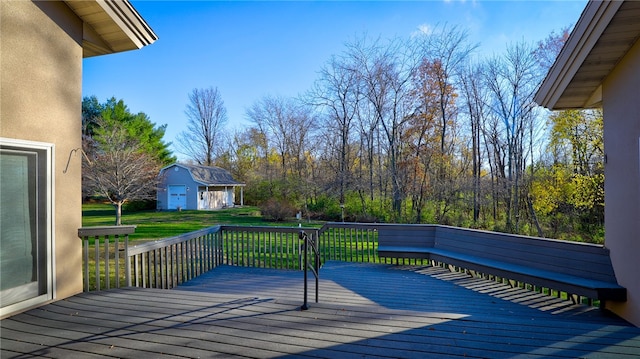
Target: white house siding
215	197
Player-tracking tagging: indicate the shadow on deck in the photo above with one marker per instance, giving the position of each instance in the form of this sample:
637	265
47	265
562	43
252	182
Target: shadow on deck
365	310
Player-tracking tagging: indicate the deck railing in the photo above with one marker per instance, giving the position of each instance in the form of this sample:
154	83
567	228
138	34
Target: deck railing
263	246
168	262
114	252
357	242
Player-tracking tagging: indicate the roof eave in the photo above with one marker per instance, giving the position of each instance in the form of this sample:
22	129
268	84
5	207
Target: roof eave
592	23
111	26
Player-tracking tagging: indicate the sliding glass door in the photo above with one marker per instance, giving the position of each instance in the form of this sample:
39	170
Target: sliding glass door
25	195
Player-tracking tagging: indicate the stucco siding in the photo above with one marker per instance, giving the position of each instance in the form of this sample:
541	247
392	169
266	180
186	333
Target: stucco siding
621	103
40	100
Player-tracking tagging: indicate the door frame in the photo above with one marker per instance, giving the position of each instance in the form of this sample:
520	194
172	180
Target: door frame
45	203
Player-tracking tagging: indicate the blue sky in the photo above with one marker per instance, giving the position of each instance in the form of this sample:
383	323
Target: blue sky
252	49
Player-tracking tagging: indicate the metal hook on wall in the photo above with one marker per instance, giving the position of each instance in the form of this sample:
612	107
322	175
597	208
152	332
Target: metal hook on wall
71	153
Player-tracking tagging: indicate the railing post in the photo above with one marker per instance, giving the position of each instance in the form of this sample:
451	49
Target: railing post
85	265
96	245
117	260
127	261
107	273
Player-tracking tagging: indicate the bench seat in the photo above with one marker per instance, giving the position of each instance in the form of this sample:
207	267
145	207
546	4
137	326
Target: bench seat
406	251
576	268
590	288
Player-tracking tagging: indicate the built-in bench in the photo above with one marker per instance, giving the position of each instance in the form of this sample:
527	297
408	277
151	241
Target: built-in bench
577	268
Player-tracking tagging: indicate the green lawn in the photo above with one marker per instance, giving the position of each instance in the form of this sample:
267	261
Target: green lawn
155	224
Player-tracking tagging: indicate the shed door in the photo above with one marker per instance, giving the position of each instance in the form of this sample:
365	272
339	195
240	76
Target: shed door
177	196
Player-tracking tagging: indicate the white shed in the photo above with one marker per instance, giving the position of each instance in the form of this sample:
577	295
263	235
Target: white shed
185	186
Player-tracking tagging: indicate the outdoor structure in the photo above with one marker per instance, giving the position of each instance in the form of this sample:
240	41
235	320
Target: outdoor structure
43	44
599	66
185	186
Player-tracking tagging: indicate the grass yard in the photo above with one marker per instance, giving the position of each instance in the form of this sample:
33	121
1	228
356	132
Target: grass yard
153	225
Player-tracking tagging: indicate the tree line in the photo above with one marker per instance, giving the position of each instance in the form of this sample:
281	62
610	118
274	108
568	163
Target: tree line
422	130
416	130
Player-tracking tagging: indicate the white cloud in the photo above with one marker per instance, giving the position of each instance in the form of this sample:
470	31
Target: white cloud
421	30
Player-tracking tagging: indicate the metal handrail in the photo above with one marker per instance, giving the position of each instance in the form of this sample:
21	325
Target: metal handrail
310	243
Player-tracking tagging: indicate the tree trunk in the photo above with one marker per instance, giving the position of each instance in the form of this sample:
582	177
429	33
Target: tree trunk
534	216
118	207
475	135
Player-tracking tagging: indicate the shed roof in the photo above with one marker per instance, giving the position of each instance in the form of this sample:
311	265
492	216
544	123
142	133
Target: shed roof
208	175
602	36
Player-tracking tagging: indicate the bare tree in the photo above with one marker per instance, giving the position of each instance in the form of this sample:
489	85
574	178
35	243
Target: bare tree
271	116
474	96
446	49
424	139
118	168
548	49
337	95
206	116
303	125
286	125
385	75
443	53
512	81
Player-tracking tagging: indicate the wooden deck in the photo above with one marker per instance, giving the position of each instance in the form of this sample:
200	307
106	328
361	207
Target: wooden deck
365	310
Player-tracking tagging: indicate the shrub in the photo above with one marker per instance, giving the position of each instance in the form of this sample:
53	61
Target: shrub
325	208
366	218
277	210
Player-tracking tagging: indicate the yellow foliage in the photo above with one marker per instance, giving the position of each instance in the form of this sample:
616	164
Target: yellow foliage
550	188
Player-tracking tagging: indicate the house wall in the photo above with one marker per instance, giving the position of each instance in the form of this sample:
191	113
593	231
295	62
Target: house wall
181	176
40	100
621	104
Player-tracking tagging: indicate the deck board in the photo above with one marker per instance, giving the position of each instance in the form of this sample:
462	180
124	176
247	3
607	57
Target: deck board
365	310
